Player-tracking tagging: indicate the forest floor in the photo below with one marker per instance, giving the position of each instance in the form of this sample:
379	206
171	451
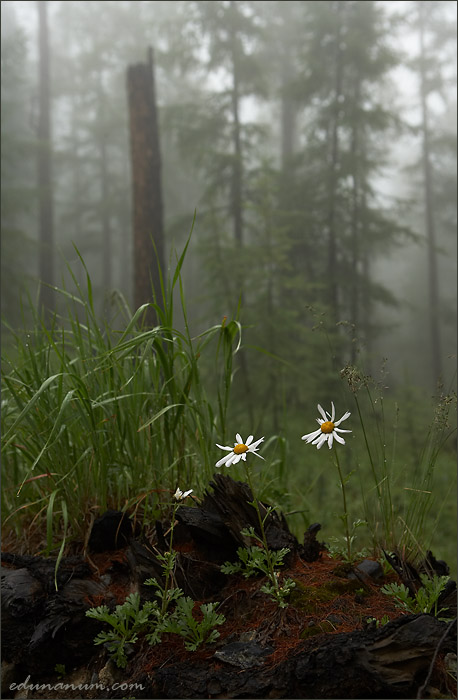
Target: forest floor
328	643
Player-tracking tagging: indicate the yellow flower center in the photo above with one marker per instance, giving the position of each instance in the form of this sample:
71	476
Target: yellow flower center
240	449
327	427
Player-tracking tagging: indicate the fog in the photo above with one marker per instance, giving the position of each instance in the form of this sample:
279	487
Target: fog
305	135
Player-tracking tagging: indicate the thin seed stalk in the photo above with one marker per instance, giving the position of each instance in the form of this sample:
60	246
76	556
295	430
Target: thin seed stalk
345	513
168	570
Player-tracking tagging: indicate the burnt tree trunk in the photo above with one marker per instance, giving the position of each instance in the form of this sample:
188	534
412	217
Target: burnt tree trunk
146	184
45	233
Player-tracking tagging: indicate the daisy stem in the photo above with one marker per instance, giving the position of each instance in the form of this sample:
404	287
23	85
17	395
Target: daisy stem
170	564
272	576
345	513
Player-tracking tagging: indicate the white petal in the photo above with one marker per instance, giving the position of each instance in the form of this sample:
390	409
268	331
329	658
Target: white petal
333	414
341	430
249	440
178	494
330	439
239	439
224	460
254	446
255	453
321	440
344	417
222	447
311	436
339	439
322	413
186	493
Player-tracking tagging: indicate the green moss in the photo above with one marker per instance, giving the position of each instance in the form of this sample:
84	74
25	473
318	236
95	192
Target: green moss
323	627
310	598
311	631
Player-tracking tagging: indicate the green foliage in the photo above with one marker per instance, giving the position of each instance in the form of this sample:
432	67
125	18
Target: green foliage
400	500
338	547
155	618
259	558
60	670
252	560
426	598
165	594
127	621
378	623
91	414
182	622
106	427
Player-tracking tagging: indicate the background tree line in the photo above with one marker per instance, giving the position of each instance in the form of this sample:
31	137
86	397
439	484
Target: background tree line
318	151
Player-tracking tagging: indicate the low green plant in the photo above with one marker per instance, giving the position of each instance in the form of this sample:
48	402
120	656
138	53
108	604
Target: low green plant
127	621
337	547
155	617
60	670
426	598
265	562
255	559
166	593
378	623
182	622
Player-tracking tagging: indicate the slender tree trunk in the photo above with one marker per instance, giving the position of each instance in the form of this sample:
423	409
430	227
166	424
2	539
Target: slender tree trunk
105	206
288	105
77	197
237	169
106	227
46	232
355	227
288	128
236	194
434	309
146	178
333	172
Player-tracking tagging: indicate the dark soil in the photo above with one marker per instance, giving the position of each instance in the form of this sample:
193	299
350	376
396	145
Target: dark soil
320	646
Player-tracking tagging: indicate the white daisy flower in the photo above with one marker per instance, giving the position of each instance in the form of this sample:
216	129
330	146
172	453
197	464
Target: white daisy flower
180	496
239	451
328	430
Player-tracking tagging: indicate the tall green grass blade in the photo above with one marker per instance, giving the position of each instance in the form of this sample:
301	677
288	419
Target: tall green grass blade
27	409
49	519
63	543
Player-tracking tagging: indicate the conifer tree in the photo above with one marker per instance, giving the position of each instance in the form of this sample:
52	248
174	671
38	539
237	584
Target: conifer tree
344	121
18	252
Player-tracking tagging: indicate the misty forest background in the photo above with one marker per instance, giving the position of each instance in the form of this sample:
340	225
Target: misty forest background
316	142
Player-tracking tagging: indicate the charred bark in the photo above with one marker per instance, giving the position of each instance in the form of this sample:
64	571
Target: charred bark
146	185
42	626
391	662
